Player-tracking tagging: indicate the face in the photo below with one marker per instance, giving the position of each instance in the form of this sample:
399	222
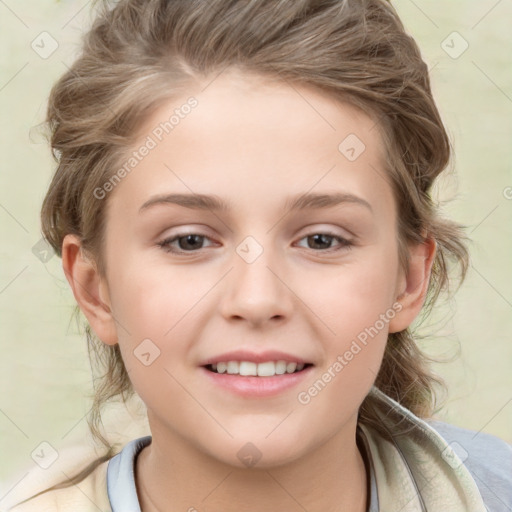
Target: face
267	277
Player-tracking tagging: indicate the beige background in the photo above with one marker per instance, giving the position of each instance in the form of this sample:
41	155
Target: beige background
44	373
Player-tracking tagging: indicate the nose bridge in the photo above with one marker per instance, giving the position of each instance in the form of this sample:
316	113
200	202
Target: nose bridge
255	292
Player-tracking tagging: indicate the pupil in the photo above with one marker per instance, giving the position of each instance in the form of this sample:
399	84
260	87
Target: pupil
189	238
321	237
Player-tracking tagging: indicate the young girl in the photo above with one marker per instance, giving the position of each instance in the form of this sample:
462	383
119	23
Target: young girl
242	206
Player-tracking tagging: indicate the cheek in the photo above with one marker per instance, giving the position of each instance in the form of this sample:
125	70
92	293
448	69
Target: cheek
152	299
158	311
155	312
352	296
335	396
358	311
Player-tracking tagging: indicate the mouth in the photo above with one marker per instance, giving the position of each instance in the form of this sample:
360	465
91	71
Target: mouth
257	380
252	369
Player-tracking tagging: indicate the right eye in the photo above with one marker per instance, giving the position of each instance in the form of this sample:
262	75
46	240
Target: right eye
187	243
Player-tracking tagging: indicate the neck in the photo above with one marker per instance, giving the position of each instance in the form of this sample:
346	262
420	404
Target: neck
171	475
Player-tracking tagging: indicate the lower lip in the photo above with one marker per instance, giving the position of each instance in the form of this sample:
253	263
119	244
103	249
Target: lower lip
250	386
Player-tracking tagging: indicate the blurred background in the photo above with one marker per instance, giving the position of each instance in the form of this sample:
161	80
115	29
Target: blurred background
45	376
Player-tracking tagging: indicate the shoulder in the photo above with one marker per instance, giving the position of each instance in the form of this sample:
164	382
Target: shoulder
479	449
487	457
476	464
87	496
33	491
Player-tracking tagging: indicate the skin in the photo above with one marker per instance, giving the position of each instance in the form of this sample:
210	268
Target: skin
253	143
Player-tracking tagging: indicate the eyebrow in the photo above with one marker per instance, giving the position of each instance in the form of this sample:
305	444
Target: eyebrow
215	203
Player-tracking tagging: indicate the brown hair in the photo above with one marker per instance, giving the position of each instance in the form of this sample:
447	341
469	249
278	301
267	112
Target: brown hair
356	51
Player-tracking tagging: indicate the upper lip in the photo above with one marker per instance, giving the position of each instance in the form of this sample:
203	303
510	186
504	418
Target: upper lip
261	357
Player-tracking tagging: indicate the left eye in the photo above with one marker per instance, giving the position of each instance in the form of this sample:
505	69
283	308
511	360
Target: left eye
190	242
327	238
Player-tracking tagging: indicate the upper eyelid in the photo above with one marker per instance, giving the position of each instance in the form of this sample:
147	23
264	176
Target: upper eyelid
202	231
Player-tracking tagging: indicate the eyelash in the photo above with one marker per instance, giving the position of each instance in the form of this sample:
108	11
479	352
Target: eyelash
165	244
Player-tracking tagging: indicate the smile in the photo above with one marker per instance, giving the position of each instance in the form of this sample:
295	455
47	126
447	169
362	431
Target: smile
248	379
249	368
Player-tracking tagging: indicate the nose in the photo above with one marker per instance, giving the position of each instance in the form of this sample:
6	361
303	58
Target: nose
256	291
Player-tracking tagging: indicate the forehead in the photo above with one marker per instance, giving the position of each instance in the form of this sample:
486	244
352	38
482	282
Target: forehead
255	139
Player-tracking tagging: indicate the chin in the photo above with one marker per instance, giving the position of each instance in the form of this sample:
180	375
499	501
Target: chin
254	455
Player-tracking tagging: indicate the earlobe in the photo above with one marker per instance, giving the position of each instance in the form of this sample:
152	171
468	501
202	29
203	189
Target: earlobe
414	286
89	288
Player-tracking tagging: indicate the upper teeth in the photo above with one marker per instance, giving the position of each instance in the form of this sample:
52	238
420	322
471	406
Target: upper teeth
267	369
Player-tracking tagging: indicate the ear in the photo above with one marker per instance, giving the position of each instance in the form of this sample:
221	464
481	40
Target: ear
89	288
413	285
